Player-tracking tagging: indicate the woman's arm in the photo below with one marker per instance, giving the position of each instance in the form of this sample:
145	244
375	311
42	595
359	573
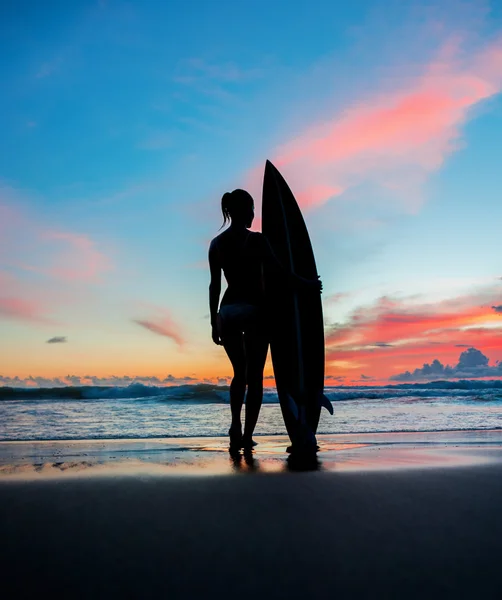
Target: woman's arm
214	289
270	259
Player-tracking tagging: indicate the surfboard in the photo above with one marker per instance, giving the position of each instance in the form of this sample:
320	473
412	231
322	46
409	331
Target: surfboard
295	313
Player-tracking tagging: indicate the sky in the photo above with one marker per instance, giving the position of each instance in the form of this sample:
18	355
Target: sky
123	123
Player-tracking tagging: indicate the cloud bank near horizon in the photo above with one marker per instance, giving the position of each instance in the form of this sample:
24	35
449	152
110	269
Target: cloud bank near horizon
94	380
472	364
393	333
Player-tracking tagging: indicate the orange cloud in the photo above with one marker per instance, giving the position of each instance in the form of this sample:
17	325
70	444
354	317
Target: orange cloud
395	138
391	335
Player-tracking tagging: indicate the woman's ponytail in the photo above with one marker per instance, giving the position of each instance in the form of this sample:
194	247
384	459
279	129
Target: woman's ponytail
233	203
225	207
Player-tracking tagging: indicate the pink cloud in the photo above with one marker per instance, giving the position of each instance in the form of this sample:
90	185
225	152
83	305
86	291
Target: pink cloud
59	259
161	322
391	334
396	138
20	302
27	245
21	309
316	194
337	298
79	259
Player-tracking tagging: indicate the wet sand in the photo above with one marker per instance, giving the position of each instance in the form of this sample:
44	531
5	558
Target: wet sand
403	520
209	456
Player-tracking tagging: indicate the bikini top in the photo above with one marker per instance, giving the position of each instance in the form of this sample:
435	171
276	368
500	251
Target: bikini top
242	266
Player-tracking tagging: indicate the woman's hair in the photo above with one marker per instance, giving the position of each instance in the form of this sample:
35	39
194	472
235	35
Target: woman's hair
234	204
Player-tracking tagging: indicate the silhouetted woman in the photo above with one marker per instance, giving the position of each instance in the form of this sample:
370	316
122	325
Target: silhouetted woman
241	323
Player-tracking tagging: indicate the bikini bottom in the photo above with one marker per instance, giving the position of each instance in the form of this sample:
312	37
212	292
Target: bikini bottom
239	318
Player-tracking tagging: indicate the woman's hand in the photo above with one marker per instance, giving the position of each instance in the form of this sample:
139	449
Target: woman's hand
308	284
216	336
317	283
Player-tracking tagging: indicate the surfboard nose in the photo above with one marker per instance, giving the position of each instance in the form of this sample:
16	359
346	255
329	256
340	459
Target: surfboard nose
269	166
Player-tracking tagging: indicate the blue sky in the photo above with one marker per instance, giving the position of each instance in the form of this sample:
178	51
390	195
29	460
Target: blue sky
124	122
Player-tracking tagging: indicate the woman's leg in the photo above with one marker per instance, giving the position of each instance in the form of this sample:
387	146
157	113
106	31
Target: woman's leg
234	347
256	348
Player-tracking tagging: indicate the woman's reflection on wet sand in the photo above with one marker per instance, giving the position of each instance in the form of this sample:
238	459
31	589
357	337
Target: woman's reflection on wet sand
247	462
244	461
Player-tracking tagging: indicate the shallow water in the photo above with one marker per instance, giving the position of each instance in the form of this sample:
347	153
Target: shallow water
165	415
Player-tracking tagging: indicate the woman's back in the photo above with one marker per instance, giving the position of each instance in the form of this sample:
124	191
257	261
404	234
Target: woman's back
240	254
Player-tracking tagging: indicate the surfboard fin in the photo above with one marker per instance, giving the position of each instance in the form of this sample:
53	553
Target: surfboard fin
293	407
324	401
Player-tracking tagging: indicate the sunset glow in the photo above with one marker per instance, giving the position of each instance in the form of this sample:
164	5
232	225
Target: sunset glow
120	135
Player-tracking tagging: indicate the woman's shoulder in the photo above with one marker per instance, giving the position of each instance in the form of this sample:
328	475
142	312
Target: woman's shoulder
224	241
216	240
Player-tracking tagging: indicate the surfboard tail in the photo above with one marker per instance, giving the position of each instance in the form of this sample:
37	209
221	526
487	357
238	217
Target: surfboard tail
325	402
298	412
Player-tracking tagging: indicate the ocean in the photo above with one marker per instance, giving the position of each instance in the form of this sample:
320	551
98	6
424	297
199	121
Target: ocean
141	412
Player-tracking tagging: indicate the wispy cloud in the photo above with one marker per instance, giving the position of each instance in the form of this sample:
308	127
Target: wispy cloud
78	260
20	302
157	140
49	67
61	261
66	255
396	138
195	70
218	83
22	309
337	298
46	69
161	322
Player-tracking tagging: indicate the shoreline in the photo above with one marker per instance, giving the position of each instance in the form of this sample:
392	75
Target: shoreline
210	456
467	430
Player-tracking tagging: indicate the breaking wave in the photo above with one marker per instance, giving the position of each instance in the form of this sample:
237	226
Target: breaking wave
206	392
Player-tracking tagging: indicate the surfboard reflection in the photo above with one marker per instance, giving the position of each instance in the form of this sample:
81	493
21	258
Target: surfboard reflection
303	462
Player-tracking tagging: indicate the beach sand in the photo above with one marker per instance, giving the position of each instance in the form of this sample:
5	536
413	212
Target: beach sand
391	516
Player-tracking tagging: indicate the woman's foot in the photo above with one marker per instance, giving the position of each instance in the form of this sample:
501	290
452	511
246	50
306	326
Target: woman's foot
235	435
248	443
299	448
